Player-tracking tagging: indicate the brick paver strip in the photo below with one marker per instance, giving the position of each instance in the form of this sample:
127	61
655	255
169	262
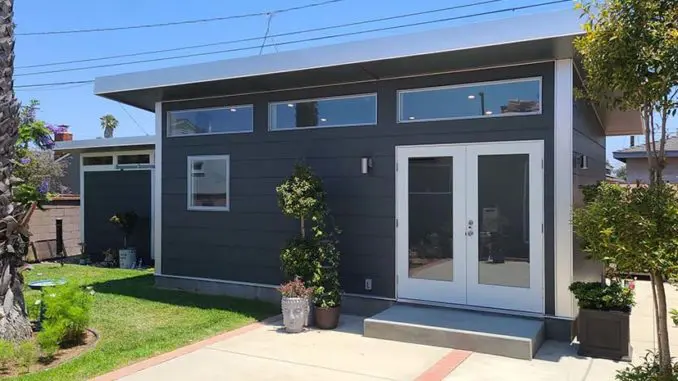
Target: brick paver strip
444	366
153	361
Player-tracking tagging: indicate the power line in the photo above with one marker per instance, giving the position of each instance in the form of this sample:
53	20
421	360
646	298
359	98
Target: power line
131	117
298	41
53	84
268	29
184	22
50	87
249	39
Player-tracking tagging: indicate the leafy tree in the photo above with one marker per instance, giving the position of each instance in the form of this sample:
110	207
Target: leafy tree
108	124
630	56
620	172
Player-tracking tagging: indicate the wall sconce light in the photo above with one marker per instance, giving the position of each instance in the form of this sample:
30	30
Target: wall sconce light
365	165
583	162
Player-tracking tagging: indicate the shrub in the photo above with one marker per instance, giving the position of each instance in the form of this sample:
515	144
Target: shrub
26	354
328	291
67	313
299	258
600	296
295	289
648	370
6	353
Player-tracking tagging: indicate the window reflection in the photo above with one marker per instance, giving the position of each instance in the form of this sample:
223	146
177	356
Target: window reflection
471	101
329	112
211	121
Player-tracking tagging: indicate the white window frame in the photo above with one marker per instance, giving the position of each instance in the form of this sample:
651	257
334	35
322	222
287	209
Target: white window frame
401	120
189	183
242	106
271	112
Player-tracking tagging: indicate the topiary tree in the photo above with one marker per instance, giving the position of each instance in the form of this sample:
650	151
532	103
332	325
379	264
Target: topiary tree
629	54
301	196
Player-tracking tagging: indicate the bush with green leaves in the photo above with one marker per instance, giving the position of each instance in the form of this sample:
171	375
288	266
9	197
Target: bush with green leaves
26	354
600	296
6	353
67	314
328	288
648	370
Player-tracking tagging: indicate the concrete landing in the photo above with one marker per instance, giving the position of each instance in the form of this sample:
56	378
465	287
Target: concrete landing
495	334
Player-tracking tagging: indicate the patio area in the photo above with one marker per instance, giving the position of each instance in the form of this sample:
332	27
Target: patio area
263	351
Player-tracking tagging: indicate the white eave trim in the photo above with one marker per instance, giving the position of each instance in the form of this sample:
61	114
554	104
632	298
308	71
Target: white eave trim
104	143
523	28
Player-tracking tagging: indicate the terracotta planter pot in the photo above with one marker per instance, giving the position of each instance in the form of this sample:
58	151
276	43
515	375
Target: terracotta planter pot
603	334
327	317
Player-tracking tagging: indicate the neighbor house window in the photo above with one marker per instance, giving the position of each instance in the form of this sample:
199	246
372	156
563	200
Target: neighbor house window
208	182
477	100
354	110
97	160
225	120
134	159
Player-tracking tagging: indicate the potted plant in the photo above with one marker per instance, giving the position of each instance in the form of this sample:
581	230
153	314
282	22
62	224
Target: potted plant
294	304
328	291
126	222
603	320
301	197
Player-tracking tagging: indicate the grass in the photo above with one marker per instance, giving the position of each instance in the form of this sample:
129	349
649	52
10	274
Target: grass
136	320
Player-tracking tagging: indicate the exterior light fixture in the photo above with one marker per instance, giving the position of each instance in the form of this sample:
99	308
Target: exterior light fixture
365	165
583	162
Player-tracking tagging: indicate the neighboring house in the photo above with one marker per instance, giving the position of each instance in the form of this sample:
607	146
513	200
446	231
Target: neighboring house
636	162
477	150
113	175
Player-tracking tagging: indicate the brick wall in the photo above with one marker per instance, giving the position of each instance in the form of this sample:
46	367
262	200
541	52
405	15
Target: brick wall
43	227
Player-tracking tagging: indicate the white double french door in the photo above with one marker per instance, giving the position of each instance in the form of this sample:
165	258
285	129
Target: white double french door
470	224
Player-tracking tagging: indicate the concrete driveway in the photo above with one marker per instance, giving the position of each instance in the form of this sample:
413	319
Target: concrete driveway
263	351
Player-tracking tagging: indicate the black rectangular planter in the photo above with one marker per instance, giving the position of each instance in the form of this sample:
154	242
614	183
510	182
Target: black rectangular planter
603	334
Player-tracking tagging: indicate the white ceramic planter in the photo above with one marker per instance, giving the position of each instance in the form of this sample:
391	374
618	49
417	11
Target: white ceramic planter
127	258
295	313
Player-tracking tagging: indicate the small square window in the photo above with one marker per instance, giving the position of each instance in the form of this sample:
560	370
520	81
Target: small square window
208	183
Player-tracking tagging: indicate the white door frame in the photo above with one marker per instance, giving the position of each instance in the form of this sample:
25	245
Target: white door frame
529	299
465	291
452	292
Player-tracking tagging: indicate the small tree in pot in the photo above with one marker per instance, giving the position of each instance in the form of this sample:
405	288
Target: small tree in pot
328	289
294	304
301	196
126	222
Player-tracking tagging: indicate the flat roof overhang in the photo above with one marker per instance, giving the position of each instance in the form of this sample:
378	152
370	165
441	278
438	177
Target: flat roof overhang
127	143
509	41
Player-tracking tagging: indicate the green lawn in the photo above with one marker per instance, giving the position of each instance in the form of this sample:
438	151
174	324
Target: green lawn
136	320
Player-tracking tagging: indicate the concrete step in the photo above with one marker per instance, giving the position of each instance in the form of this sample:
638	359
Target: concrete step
496	334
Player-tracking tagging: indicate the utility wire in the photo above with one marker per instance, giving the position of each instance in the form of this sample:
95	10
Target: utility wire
299	41
249	39
268	29
131	117
184	22
34	85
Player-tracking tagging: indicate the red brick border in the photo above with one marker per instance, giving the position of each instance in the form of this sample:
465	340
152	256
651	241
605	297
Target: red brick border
444	366
153	361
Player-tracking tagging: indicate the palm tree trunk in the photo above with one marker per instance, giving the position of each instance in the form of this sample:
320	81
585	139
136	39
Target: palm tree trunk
14	324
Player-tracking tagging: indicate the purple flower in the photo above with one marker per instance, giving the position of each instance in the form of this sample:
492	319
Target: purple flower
44	187
57	129
25	160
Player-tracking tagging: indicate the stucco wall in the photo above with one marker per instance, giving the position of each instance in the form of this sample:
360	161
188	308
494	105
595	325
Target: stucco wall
636	170
43	227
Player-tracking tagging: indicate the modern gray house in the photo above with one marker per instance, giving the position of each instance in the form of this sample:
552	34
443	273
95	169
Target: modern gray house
452	160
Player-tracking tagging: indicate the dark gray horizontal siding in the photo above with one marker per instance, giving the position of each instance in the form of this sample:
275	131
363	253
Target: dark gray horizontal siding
244	244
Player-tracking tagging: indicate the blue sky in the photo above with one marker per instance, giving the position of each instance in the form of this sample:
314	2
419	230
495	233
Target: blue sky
76	106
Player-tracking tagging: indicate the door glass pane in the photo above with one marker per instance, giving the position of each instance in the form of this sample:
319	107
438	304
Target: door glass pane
430	218
504	220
